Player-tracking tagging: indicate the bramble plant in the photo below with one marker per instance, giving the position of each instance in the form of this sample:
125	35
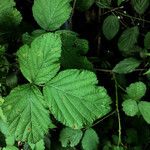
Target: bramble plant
57	95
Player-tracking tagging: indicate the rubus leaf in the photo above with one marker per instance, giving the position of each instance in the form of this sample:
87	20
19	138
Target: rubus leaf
84	5
90	140
74	99
70	137
111	26
38	146
147	41
136	90
130	107
103	3
140	6
127	65
51	14
144	108
128	40
27	117
40	61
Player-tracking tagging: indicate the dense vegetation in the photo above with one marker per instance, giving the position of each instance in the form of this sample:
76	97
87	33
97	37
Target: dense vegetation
74	74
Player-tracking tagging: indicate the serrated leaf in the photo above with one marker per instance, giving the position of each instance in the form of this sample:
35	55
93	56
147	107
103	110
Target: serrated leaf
27	117
90	140
73	51
103	3
127	65
40	61
136	90
111	26
147	41
140	6
74	99
84	5
144	108
130	107
51	14
38	146
70	137
128	40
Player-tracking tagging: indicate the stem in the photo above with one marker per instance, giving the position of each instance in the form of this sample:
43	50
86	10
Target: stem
117	110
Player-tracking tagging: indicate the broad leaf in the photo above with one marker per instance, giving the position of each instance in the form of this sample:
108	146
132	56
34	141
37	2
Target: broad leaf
140	6
147	40
136	90
130	107
40	61
26	114
84	5
128	40
51	14
111	26
70	137
10	148
90	140
74	99
144	108
127	65
103	3
38	146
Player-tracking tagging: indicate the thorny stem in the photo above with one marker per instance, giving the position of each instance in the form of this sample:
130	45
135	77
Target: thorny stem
117	110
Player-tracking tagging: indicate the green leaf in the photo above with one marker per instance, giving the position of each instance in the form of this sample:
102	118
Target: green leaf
130	107
147	40
144	108
40	61
70	137
103	3
127	65
119	2
90	140
83	5
128	40
117	148
10	148
26	114
74	99
136	90
111	26
147	72
73	51
38	146
140	6
51	14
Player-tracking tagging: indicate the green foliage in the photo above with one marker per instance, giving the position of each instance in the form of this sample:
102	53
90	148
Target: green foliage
90	140
110	26
10	148
103	3
127	65
147	40
51	14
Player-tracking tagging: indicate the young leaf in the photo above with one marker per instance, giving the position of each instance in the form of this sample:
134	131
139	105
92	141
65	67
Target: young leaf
140	6
26	114
74	99
147	40
128	39
136	90
127	65
40	61
90	140
84	5
51	14
111	26
144	108
70	137
130	107
103	3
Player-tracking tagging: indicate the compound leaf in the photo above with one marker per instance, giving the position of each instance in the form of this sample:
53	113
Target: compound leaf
51	14
130	107
40	61
136	90
74	99
144	108
111	26
140	6
90	140
70	137
27	117
128	39
127	65
147	40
